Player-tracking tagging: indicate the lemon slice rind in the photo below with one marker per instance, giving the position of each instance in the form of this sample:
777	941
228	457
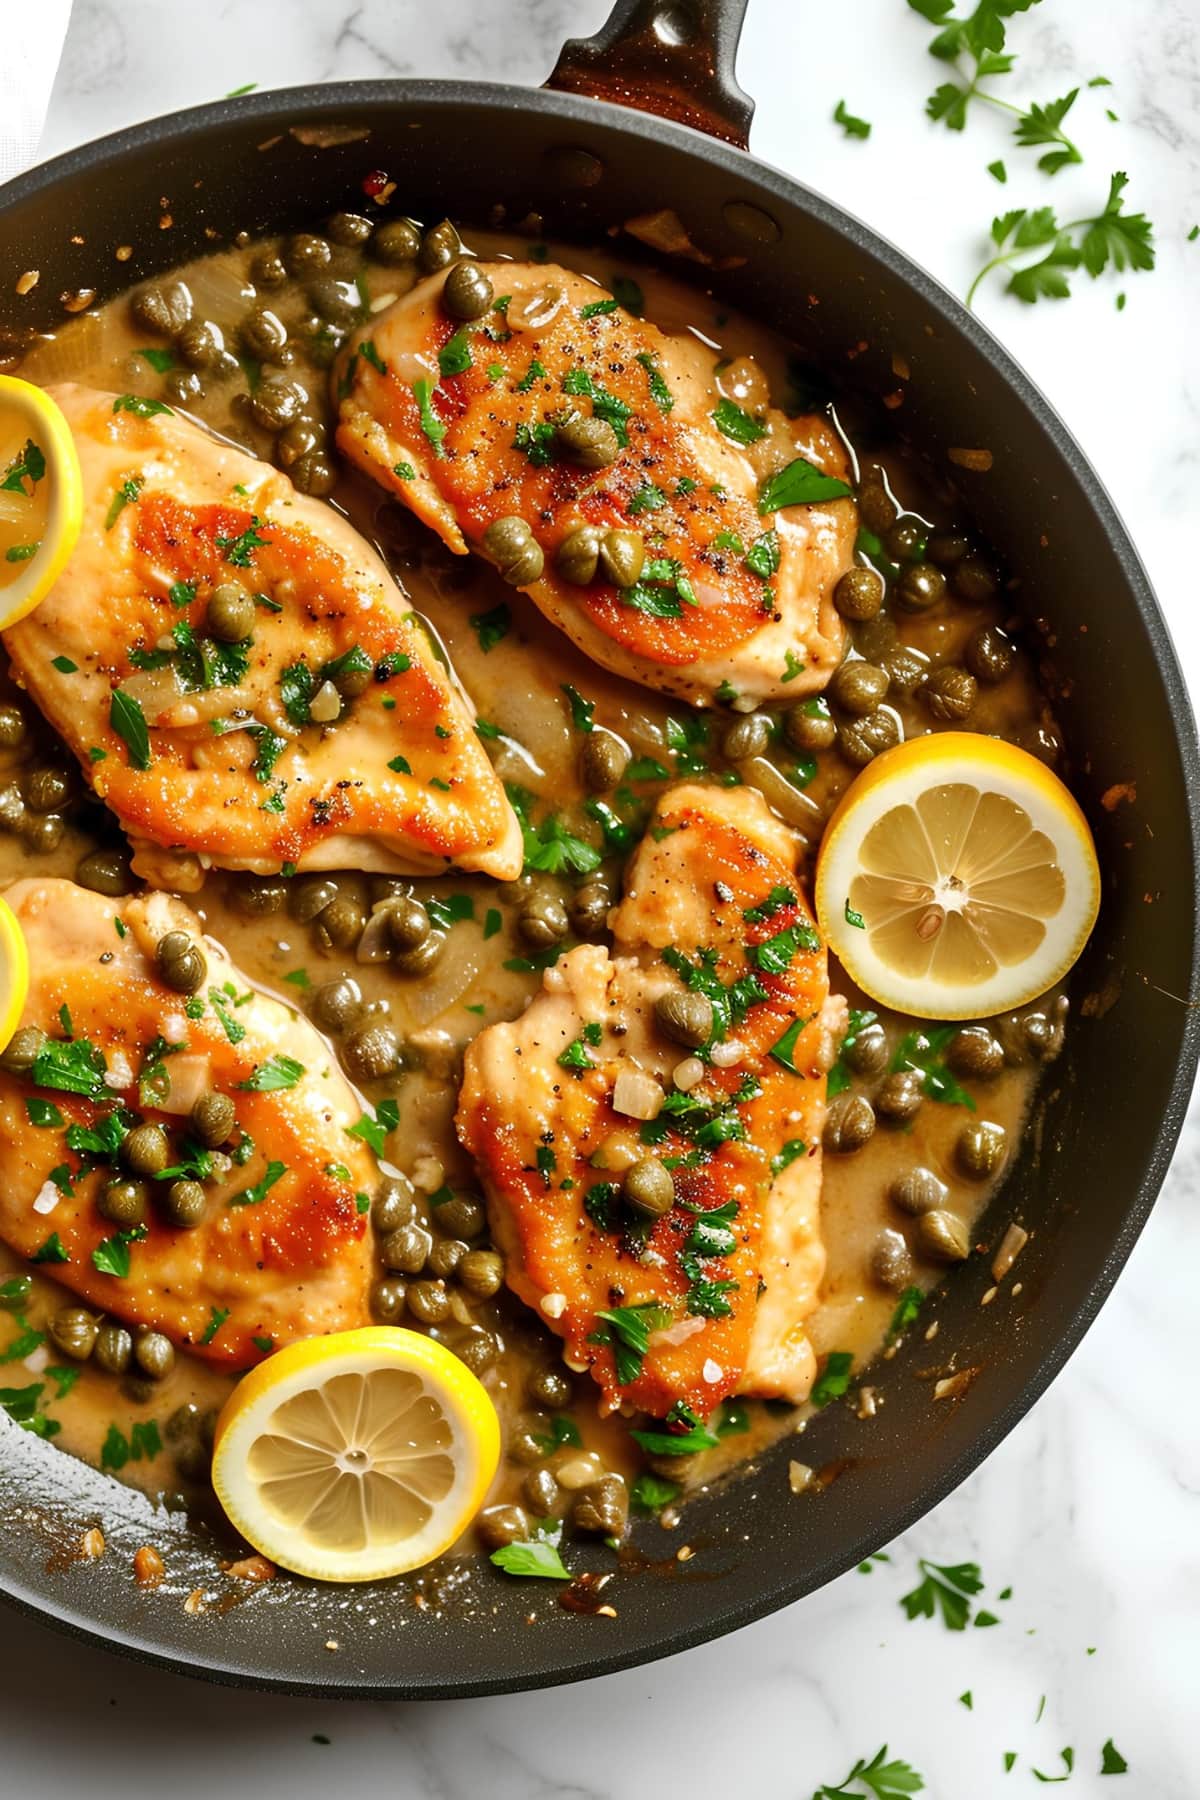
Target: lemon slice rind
14	973
357	1456
922	775
42	421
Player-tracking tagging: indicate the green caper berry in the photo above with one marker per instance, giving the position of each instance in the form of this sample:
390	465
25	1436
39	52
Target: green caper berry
466	292
905	540
988	654
23	1050
541	1493
145	1150
349	229
622	556
371	1051
809	726
43	832
163	307
336	1006
550	1387
105	872
869	1052
648	1188
974	580
945	548
396	243
114	1349
589	908
428	1301
747	736
501	1525
543	920
858	687
478	1349
949	694
46	790
439	247
898	1097
408	924
578	556
154	1354
849	1125
890	1262
603	761
306	254
876	508
421	957
267	270
310	896
921	586
975	1054
229	615
981	1148
463	1216
183	387
123	1202
201	345
684	1017
860	740
296	440
943	1236
445	1257
588	442
333	300
185	1204
602	1507
276	402
12	727
12	807
918	1191
406	1249
73	1332
181	963
258	896
395	1204
315	475
387	1300
212	1119
859	594
515	551
15	1292
340	924
263	334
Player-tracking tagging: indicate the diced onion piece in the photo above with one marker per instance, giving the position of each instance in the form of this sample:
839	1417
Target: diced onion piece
799	1476
190	1076
637	1095
686	1074
155	690
47	1199
794	806
1011	1246
678	1333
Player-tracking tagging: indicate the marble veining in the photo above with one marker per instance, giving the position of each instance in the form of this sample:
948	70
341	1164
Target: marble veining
1091	1508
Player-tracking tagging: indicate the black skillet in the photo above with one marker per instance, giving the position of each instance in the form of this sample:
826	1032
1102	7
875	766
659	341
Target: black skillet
1112	1107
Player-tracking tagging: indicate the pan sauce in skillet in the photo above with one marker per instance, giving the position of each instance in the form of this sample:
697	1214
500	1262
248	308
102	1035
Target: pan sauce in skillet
283	309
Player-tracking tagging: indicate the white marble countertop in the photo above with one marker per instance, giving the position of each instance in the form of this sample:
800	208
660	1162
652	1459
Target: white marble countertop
1091	1509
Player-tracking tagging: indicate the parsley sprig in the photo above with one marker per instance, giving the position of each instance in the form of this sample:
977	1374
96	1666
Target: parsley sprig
886	1780
1111	237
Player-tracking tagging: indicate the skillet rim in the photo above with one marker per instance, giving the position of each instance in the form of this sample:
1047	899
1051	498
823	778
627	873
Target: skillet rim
279	105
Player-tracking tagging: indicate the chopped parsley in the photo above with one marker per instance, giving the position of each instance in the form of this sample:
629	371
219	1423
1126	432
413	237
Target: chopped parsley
582	710
535	441
605	406
454	357
374	1131
778	953
404	471
217	1317
625	1330
839	1075
28	465
628	294
239	550
853	128
111	1256
650	1493
277	1073
125	495
492	627
595	307
946	1588
535	372
537	1556
141	408
921	1050
370	354
550	848
834	1378
799	483
736	424
675	1443
51	1250
253	1196
127	719
77	1067
660	392
644	499
431	425
787	1154
762	558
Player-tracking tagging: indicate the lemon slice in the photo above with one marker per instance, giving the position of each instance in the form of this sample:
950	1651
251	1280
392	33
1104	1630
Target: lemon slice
356	1456
14	973
957	877
41	497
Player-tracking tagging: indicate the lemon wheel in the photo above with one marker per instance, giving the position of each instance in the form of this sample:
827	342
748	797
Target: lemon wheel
356	1456
957	877
41	497
14	973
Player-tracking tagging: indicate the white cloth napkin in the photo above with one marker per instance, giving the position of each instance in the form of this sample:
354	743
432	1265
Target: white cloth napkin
33	41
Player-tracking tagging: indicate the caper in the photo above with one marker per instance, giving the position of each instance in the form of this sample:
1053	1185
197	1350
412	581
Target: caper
336	1006
258	896
334	300
749	735
428	1301
46	790
542	920
445	1257
975	1053
905	539
396	243
988	654
314	474
943	1236
263	334
1043	1032
394	1205
421	957
183	1423
184	1204
229	614
890	1262
340	924
212	1119
439	247
310	896
12	727
588	442
859	740
876	508
589	908
906	669
481	1272
15	1292
201	345
73	1332
478	1348
114	1348
296	440
603	760
899	1096
981	1148
515	551
858	687
809	725
181	962
406	1249
105	872
622	556
859	594
306	254
541	1493
348	229
12	807
550	1386
123	1202
648	1188
949	694
849	1125
462	1216
867	1052
921	586
43	832
974	580
685	1017
918	1191
23	1050
183	387
154	1354
267	270
276	402
466	292
145	1151
500	1525
578	556
945	548
371	1051
163	307
603	1507
387	1300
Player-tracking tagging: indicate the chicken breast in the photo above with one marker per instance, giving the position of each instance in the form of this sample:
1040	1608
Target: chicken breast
235	753
708	1298
735	600
282	1251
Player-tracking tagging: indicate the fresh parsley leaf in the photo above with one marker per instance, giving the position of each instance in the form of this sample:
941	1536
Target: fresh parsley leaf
628	294
563	1430
600	1203
885	1780
650	1493
834	1378
217	1317
582	711
626	1331
239	550
77	1067
539	1556
740	426
787	1154
1111	1760
51	1250
535	441
253	1196
141	408
907	1308
127	719
921	1050
374	1131
29	465
853	128
550	849
644	499
799	483
111	1255
675	1443
492	627
275	1074
454	357
1043	125
660	392
431	425
126	494
596	307
944	1587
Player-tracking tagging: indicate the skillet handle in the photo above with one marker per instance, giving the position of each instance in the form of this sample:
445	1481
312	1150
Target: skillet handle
674	58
